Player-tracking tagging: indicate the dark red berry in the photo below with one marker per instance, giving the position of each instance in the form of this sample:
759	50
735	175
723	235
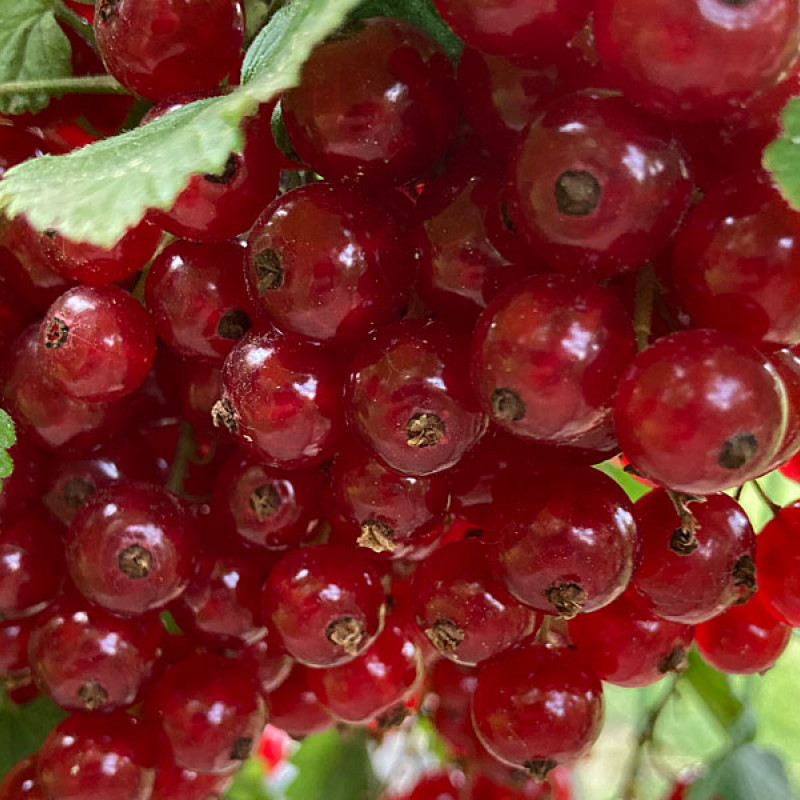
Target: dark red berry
19	488
294	707
777	565
177	783
267	659
20	782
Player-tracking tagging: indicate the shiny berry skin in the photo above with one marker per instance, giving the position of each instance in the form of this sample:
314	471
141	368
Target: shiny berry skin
453	685
596	187
736	262
463	608
222	603
20	782
267	660
684	583
326	602
326	262
132	548
15	312
536	707
18	145
294	708
281	400
88	756
700	411
529	372
777	565
562	551
515	28
743	640
786	363
211	711
675	58
436	786
268	507
373	683
627	645
216	207
87	659
197	298
97	343
156	48
54	420
19	488
376	104
31	564
14	637
409	397
393	512
177	783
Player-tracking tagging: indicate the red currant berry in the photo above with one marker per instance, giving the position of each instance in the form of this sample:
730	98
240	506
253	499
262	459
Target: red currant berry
177	783
452	686
200	388
15	312
18	145
197	298
547	356
409	397
326	602
19	488
211	711
157	48
15	672
675	58
97	343
626	644
326	263
393	512
787	364
560	551
294	707
87	659
20	782
692	568
743	640
372	684
597	187
281	400
700	411
463	608
89	756
436	786
777	565
376	103
132	548
267	659
536	707
518	28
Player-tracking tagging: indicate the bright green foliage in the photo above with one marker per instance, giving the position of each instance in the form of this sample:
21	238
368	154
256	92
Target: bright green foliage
746	773
782	157
23	728
7	438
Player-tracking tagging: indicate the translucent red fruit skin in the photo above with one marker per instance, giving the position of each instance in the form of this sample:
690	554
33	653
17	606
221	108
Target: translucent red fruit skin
529	372
777	565
326	262
744	639
132	548
373	683
156	48
271	508
520	28
87	659
536	707
409	397
787	364
23	483
87	756
31	564
20	782
326	602
197	298
562	551
463	608
392	511
97	343
628	645
377	104
691	587
700	411
736	262
177	783
674	59
267	660
294	707
282	399
596	187
211	711
18	145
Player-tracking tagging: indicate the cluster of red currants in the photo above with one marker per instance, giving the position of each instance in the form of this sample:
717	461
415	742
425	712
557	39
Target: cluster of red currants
345	436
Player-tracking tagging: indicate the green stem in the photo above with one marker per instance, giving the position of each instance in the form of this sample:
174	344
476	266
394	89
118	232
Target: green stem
77	23
643	310
765	498
180	464
88	84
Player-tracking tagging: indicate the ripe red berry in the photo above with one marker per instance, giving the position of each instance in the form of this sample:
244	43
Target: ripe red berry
376	103
326	602
700	411
19	488
294	707
267	659
20	782
536	706
777	562
178	783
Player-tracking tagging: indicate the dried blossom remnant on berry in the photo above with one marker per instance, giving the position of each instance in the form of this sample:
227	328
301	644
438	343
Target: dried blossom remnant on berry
377	536
227	174
56	334
577	193
676	661
683	542
507	405
445	636
106	9
222	414
92	696
269	272
242	748
567	599
265	501
76	492
539	768
135	561
738	451
744	578
425	430
234	324
347	633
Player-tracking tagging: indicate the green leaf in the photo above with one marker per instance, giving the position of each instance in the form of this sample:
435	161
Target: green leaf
265	45
746	773
249	783
333	766
32	47
23	729
422	13
96	193
782	156
255	15
7	438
